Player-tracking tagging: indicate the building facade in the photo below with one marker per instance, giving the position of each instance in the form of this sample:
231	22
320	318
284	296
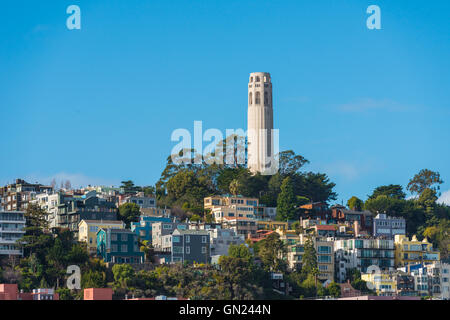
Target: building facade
388	227
362	253
413	251
161	229
87	231
191	246
143	228
118	246
12	224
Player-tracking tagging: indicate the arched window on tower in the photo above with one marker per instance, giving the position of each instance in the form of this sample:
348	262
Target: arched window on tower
258	97
266	98
250	98
251	79
257	78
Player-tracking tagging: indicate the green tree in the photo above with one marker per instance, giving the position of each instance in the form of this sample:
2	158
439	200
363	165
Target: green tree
355	203
391	191
309	259
286	201
93	279
240	251
334	289
129	212
425	179
272	252
314	186
290	163
385	204
124	275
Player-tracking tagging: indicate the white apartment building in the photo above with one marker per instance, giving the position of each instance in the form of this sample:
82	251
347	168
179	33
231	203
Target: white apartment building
221	239
12	224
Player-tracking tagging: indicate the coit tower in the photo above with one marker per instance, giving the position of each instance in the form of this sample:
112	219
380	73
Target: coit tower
259	122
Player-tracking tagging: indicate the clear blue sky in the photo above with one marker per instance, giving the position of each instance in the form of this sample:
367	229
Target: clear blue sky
98	105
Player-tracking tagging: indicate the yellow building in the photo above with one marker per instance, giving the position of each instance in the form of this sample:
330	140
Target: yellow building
413	251
273	225
87	231
384	283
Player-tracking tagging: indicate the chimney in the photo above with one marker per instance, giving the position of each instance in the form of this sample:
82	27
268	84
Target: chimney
356	229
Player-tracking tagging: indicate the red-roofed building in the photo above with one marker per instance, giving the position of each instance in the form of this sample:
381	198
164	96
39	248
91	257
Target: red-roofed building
260	235
98	294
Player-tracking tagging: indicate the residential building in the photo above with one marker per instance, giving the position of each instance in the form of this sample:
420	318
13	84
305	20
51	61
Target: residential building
16	196
362	253
315	210
265	213
45	294
221	239
272	225
347	291
98	294
438	280
192	246
241	226
325	256
229	200
233	211
86	207
143	228
388	227
413	251
324	230
364	219
144	202
87	231
156	212
405	284
421	281
160	229
384	283
118	246
12	224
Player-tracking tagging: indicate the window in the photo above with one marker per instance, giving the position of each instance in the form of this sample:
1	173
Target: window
250	101
257	79
176	239
178	250
124	237
124	248
204	240
203	249
188	250
114	248
266	98
114	237
258	98
167	226
188	239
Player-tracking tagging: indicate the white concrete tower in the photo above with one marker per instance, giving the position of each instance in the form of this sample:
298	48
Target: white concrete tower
259	122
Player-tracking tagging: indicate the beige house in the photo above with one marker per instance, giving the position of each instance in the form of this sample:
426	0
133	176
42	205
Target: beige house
87	231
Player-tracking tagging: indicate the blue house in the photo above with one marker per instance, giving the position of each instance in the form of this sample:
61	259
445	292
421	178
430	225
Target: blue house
118	246
143	228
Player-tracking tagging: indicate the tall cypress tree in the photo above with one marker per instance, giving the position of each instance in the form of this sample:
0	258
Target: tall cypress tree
286	201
